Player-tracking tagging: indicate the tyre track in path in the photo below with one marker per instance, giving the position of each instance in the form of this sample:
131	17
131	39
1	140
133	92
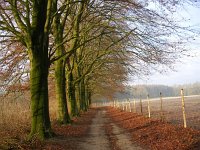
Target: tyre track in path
97	138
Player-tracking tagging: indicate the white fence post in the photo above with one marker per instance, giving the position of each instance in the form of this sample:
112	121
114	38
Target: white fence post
161	107
141	105
149	110
183	109
130	106
126	104
134	103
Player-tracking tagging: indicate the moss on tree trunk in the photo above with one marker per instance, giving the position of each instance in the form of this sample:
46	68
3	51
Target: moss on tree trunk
63	115
71	96
82	96
38	54
40	125
60	64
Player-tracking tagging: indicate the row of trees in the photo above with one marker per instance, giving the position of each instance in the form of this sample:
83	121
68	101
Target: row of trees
87	46
141	91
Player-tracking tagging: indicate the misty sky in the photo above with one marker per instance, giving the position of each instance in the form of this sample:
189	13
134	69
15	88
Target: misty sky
189	70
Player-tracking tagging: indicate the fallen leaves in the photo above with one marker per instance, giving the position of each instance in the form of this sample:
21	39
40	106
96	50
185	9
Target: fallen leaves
155	134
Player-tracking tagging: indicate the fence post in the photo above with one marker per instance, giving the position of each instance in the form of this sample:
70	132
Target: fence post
118	104
161	107
183	109
149	111
134	106
130	106
126	105
141	104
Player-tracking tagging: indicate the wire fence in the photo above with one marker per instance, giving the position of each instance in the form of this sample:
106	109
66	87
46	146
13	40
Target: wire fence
181	110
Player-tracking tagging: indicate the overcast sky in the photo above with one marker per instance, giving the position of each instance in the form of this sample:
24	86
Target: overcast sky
189	70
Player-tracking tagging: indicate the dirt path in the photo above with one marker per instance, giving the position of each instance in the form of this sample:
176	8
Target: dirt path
123	139
101	134
98	140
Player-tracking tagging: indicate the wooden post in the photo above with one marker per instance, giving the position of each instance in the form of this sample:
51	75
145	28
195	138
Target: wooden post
149	111
141	104
161	107
126	104
183	109
134	106
130	106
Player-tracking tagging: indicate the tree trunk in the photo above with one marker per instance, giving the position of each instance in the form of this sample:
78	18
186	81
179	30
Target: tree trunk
35	37
40	126
77	99
63	115
38	55
71	95
82	96
88	95
60	64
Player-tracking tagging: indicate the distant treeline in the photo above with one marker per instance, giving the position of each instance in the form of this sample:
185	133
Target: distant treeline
154	90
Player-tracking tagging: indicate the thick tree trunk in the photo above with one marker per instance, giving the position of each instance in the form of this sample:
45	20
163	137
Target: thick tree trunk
82	96
40	126
88	96
38	55
60	64
35	35
63	115
71	96
77	99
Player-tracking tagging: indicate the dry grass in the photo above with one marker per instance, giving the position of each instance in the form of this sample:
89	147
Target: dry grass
14	111
15	117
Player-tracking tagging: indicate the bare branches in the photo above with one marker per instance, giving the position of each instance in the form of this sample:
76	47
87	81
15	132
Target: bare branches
136	36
